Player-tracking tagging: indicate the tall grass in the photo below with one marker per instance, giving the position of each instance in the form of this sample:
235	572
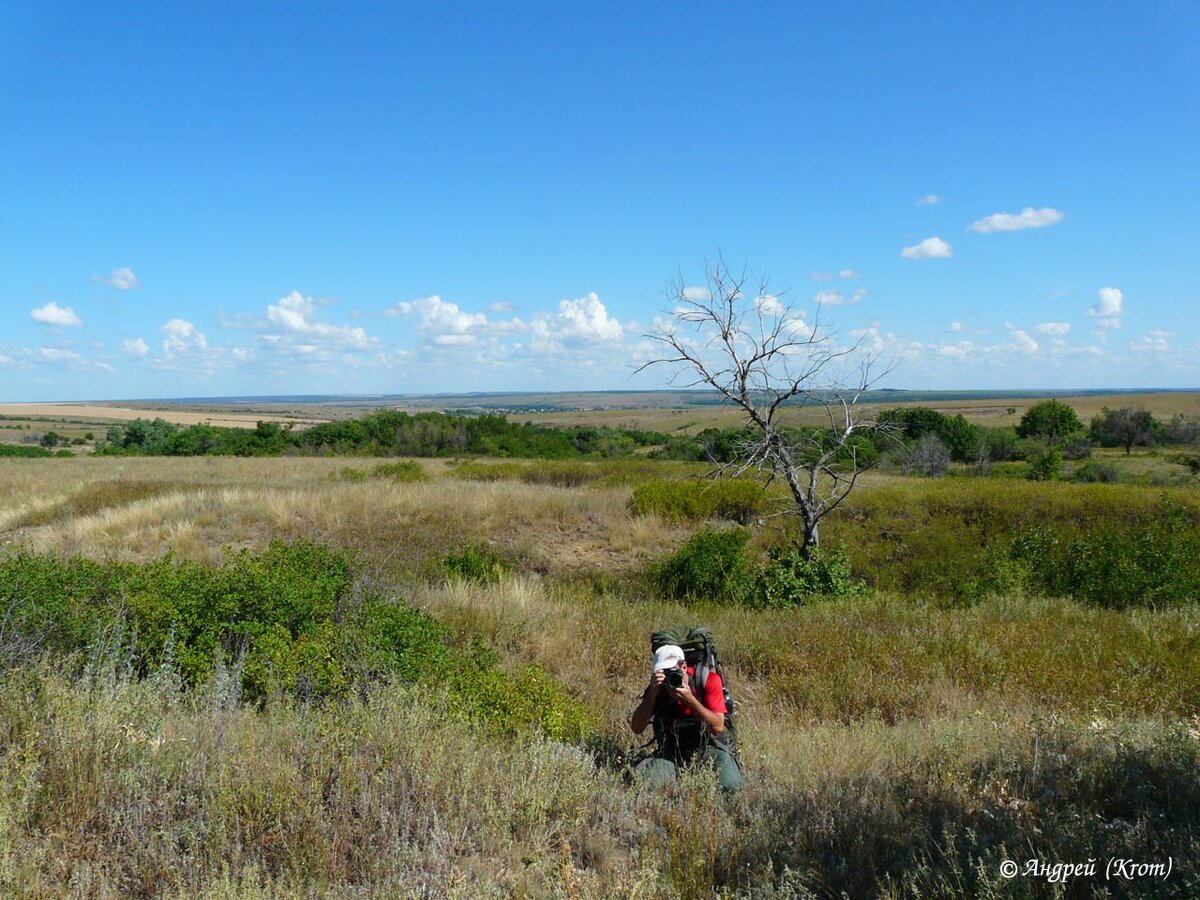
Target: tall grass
900	743
114	789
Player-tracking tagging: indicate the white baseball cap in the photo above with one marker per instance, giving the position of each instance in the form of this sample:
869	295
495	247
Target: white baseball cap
668	656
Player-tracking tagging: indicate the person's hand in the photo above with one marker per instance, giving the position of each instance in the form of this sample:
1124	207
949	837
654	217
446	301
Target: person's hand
656	681
684	694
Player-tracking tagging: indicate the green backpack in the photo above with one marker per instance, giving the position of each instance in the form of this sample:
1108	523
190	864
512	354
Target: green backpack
701	653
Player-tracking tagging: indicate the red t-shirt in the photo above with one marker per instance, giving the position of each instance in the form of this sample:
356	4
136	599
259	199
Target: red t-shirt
713	697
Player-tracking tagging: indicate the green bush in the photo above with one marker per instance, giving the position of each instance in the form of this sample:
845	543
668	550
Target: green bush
475	562
288	620
510	703
1046	465
953	538
1092	472
792	578
737	499
404	470
712	565
1155	565
26	451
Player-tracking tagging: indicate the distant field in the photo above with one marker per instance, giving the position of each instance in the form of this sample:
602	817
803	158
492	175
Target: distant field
71	413
666	411
992	411
671	412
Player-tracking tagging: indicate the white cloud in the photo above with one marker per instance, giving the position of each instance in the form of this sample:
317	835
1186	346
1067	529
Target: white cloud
955	351
1108	308
848	273
956	327
1054	328
930	248
182	337
1023	340
1026	218
296	313
585	318
694	293
500	306
770	305
822	276
69	359
441	319
1152	342
797	327
122	279
135	347
835	298
53	314
869	338
929	200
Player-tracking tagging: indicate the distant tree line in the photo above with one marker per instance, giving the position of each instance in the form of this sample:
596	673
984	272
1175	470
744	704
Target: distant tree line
923	439
1048	432
384	433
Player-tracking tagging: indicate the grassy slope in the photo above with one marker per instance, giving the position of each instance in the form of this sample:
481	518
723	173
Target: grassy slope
868	726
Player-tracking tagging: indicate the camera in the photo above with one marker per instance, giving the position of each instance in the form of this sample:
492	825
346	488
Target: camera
674	678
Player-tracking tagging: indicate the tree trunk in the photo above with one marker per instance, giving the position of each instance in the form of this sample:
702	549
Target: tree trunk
812	535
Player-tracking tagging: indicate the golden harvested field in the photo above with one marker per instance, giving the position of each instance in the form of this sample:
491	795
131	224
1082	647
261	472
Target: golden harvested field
86	413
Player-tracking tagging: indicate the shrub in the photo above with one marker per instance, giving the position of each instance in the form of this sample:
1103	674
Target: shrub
404	470
475	562
791	578
1077	448
1092	472
1157	564
945	538
23	450
1046	465
711	565
929	456
1001	443
736	499
289	619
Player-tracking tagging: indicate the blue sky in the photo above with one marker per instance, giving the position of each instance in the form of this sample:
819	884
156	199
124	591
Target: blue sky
296	198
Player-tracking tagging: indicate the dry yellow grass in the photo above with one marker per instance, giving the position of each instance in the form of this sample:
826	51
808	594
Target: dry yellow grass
247	502
112	414
294	798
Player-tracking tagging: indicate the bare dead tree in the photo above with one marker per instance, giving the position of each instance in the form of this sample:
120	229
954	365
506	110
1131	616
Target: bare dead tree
768	359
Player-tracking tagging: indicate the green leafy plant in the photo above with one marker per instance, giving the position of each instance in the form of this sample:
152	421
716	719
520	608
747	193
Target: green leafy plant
1046	465
711	565
793	578
1155	564
475	562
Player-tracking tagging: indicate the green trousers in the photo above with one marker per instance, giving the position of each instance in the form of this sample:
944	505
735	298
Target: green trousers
659	771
